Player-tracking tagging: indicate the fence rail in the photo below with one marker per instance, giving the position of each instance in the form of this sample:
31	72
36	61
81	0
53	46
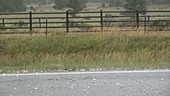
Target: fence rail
152	20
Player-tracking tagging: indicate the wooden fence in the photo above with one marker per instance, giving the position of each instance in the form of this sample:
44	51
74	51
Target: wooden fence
84	21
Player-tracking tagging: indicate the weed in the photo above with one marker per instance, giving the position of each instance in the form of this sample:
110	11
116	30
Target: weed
76	51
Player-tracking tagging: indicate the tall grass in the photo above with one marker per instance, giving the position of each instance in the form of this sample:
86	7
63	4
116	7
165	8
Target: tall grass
84	51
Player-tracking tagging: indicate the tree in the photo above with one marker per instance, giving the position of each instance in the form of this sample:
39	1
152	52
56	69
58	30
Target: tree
103	5
60	4
116	3
12	6
158	2
77	5
166	1
132	5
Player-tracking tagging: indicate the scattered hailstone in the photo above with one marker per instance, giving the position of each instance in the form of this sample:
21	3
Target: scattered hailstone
84	90
82	70
88	86
4	74
35	88
94	79
121	94
24	71
94	83
162	79
72	87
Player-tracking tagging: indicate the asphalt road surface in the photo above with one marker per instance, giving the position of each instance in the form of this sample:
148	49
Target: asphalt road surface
110	83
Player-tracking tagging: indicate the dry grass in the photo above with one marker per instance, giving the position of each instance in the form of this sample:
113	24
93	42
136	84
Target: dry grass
59	51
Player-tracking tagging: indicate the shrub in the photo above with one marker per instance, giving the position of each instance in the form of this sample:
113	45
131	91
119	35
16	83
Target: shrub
32	8
107	20
85	27
81	26
159	25
2	28
20	23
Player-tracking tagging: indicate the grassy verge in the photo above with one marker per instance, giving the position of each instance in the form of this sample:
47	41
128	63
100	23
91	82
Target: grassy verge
84	51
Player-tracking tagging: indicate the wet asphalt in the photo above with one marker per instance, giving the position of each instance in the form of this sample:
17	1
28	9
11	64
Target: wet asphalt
111	84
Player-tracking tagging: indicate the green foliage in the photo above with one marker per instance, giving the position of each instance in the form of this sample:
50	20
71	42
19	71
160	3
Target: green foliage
59	4
76	51
40	2
151	2
79	43
12	6
103	5
82	26
132	5
2	28
32	8
75	5
20	23
116	3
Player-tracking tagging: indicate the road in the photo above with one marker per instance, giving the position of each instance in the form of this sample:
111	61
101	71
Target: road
108	83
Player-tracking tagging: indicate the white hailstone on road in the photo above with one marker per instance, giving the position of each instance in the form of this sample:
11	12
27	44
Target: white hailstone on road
72	86
88	87
94	83
162	79
4	74
94	79
121	94
84	90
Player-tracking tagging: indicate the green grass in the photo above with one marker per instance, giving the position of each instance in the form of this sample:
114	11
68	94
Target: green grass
84	51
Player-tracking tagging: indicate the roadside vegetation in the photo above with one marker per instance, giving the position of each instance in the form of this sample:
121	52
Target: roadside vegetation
84	51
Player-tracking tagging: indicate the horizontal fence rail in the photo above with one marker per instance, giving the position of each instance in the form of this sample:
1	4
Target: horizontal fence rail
85	21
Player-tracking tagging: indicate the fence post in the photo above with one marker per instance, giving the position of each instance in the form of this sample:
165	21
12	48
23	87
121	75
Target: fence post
30	20
148	19
3	22
101	20
137	19
145	24
46	27
67	21
40	22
